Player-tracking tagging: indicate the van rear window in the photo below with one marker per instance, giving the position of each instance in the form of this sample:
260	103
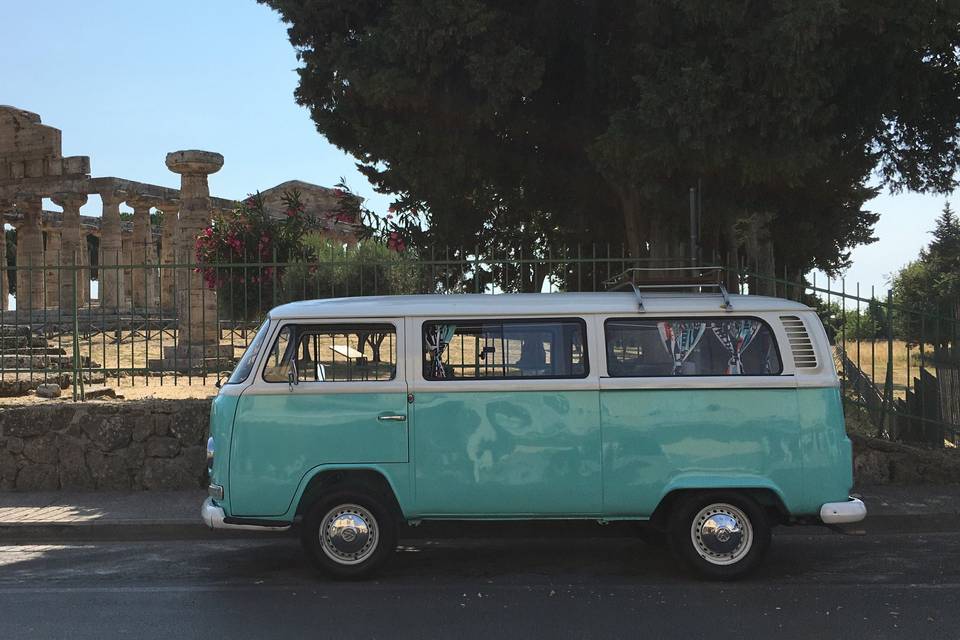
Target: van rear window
504	349
690	347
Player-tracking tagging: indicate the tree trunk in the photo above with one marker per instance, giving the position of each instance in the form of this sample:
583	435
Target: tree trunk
632	220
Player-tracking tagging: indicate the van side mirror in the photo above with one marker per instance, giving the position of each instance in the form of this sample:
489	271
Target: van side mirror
292	377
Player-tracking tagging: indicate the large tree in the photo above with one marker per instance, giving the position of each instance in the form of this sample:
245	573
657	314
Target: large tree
566	121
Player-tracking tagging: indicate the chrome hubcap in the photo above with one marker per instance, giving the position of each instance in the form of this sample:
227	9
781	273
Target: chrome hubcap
721	534
349	534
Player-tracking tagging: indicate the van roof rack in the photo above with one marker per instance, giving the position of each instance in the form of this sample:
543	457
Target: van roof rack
693	277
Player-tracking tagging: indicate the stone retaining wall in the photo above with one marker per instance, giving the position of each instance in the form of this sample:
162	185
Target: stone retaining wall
149	444
878	461
159	444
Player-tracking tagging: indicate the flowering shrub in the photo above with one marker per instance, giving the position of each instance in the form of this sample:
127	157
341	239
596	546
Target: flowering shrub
241	254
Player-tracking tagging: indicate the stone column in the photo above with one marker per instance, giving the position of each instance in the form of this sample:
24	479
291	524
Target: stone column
142	251
72	246
126	256
168	237
52	259
197	331
83	275
5	206
30	254
111	252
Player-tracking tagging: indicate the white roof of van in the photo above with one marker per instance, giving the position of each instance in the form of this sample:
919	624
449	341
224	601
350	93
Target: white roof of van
513	304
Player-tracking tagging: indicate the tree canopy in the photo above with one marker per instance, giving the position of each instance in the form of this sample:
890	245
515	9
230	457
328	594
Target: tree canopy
530	125
929	287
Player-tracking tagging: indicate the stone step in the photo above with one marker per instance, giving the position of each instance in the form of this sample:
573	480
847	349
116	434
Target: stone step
40	362
10	342
33	351
195	365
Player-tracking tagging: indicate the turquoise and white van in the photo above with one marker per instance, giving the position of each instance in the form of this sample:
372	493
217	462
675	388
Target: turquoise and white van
709	417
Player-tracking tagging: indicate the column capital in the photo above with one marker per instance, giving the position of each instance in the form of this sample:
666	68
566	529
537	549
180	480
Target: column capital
194	162
69	200
137	200
113	198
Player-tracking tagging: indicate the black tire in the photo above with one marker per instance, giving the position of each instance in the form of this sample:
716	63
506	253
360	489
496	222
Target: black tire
719	552
342	555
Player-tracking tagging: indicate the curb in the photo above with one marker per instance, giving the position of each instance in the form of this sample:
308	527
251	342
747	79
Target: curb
146	530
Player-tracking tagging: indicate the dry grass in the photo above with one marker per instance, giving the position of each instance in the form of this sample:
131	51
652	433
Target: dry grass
872	357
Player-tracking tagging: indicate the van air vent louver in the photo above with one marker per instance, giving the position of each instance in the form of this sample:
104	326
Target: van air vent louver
804	356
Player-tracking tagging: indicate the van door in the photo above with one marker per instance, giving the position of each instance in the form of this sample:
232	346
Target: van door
329	393
506	418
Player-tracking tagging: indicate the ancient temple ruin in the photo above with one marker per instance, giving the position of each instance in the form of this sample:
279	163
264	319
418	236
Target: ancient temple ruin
54	268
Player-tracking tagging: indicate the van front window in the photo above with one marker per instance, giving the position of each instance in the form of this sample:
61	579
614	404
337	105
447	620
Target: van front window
245	366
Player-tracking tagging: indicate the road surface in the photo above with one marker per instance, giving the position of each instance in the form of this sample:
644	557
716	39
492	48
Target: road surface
813	585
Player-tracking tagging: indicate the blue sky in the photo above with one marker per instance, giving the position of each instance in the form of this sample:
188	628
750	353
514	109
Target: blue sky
127	82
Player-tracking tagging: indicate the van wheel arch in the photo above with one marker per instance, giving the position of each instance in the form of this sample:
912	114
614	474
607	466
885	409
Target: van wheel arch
768	499
363	480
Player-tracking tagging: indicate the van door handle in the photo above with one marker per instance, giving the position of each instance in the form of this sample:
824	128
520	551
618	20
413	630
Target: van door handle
392	417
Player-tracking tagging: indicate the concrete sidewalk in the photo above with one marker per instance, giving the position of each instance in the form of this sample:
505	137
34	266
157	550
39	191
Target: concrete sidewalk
53	515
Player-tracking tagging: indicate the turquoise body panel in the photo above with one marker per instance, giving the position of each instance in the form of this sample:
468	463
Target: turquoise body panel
827	452
507	454
222	411
655	441
279	438
549	454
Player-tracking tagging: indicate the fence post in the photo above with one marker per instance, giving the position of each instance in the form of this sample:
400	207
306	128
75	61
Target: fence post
888	382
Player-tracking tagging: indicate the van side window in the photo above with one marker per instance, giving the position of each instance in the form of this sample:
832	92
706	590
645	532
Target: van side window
690	347
504	349
334	353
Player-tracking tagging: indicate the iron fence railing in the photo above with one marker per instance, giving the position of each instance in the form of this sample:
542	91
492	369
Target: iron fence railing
67	327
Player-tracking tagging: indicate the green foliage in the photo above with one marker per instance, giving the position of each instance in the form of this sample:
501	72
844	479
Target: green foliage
331	269
562	123
250	236
928	289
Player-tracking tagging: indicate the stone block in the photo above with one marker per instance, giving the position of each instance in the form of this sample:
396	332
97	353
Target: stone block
109	433
38	477
142	431
109	470
24	424
48	390
42	449
73	470
14	445
168	474
162	424
162	447
8	469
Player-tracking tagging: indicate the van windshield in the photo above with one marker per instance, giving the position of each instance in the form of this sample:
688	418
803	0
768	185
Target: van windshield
245	366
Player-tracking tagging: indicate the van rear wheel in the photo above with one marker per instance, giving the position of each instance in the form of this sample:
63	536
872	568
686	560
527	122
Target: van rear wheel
720	535
349	534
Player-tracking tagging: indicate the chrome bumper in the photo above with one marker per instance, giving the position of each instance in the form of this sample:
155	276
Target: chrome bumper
213	517
853	510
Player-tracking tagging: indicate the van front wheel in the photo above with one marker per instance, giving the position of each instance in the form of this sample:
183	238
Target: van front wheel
349	534
720	535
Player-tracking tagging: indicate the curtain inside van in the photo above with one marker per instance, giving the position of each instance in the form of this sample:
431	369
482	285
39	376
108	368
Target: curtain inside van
735	336
437	337
680	338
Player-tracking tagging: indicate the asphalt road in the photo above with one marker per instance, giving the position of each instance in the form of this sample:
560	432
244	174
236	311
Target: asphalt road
813	585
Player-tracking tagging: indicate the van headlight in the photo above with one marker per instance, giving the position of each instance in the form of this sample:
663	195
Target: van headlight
211	448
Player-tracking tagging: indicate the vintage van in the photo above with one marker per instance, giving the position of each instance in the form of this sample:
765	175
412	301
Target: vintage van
710	417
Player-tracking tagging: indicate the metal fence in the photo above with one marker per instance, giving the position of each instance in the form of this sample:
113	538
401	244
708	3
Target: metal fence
68	327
